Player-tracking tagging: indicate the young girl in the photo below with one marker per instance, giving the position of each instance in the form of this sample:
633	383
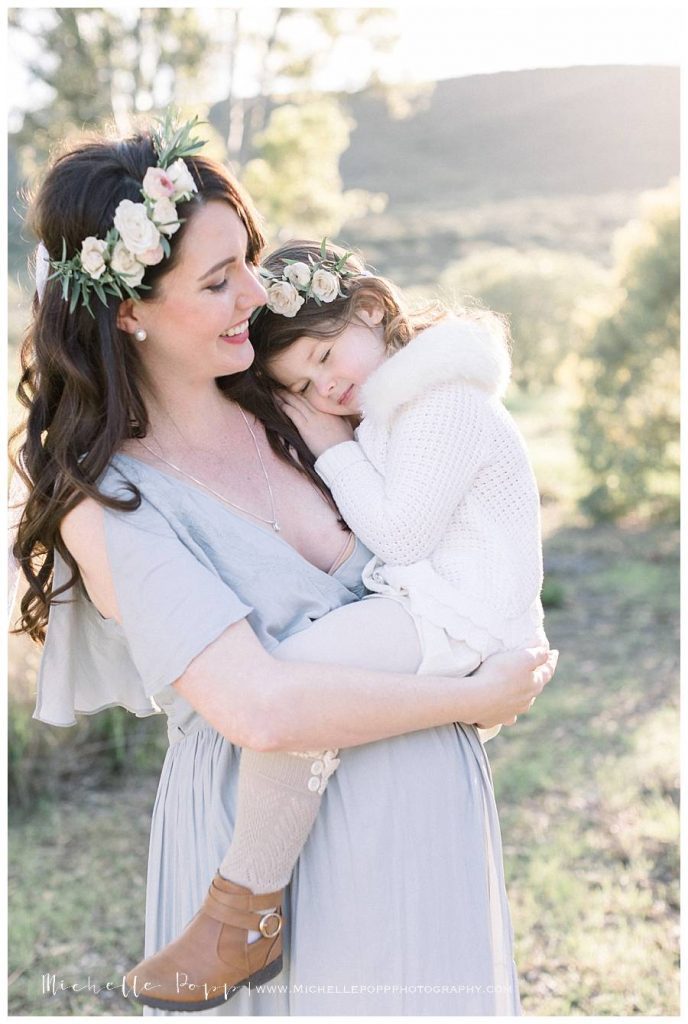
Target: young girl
436	483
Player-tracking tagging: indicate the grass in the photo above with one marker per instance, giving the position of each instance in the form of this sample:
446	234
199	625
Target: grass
587	786
76	896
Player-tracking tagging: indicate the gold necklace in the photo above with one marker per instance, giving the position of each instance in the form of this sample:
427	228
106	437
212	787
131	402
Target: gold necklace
271	522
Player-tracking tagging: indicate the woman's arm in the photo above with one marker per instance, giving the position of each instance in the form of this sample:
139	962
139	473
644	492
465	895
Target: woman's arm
303	706
255	700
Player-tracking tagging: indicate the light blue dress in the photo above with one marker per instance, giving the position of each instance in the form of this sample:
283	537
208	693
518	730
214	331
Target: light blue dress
397	904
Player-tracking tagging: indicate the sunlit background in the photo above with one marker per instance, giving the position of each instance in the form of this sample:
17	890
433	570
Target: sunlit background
521	155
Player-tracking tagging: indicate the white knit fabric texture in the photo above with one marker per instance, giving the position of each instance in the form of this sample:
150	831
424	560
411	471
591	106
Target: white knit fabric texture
441	490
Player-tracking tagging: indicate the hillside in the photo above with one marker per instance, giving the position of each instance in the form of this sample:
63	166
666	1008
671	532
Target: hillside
580	130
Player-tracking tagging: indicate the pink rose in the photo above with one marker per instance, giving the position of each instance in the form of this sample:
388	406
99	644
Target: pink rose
157	184
151	256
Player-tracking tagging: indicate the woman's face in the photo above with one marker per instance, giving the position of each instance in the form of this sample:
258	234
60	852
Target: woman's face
329	372
197	326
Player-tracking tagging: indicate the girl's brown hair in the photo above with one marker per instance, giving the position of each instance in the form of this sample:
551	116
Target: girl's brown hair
272	333
81	380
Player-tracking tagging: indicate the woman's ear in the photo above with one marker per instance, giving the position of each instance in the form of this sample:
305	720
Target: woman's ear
127	319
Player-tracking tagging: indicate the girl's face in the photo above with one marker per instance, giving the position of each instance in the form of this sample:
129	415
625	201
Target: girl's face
329	372
197	327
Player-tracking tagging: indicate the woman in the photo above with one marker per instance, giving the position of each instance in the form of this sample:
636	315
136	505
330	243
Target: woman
188	547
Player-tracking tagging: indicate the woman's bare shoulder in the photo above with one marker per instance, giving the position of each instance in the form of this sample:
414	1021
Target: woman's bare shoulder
83	527
83	532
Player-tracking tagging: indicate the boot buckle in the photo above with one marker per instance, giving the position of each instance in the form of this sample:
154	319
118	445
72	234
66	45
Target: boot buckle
264	925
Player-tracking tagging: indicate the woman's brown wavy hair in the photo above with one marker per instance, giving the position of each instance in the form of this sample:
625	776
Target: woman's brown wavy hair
81	381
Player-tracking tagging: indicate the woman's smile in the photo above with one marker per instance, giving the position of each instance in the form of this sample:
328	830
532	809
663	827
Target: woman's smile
237	335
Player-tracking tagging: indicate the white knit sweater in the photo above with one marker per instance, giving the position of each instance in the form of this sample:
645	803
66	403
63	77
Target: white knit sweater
438	485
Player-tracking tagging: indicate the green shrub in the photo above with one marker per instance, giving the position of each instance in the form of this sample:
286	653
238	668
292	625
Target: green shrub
552	594
628	421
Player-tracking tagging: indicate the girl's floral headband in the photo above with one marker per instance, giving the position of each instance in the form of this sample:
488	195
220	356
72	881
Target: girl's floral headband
140	235
320	280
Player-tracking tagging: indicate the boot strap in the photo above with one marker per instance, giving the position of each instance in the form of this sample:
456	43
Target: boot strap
267	922
246	900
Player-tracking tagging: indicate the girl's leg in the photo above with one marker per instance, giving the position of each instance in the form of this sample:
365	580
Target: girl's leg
279	794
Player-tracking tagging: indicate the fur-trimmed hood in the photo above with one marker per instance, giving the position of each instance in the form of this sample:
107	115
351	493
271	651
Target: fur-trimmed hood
451	350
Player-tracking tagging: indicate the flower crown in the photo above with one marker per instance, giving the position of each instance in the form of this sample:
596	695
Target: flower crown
320	280
139	238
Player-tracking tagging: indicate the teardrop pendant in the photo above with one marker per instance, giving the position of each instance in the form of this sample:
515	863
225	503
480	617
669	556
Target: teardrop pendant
275	527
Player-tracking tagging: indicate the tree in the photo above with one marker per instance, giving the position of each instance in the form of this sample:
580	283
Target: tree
628	422
285	52
546	295
295	178
99	64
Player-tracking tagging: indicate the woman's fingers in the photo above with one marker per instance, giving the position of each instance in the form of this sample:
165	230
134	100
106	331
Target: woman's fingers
540	677
544	672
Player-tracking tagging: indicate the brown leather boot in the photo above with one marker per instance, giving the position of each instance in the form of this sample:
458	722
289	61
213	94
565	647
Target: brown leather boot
211	960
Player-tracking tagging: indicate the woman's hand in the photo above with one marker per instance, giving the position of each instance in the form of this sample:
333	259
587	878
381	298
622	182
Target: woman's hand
511	682
320	430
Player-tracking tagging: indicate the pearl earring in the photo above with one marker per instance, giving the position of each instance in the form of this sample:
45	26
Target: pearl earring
140	334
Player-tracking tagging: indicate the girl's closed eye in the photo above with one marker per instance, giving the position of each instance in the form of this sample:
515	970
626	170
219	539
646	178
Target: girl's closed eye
323	358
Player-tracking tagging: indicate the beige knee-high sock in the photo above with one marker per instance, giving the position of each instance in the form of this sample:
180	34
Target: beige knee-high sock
279	794
278	800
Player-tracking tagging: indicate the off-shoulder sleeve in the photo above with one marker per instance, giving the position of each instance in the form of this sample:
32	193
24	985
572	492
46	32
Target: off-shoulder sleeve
172	603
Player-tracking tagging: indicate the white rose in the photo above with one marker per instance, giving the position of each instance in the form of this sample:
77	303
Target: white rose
125	263
92	256
284	299
298	274
136	229
325	286
180	176
165	216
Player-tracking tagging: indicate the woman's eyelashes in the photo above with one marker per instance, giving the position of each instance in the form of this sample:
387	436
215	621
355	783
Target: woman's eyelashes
218	287
248	261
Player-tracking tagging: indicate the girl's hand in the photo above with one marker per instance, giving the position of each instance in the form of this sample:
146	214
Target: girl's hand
320	430
511	682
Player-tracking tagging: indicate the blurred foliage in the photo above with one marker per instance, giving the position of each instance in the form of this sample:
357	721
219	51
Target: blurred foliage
549	298
138	61
287	51
553	593
134	61
628	423
45	761
295	177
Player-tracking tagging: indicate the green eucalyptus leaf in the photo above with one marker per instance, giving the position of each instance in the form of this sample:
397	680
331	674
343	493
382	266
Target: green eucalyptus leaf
76	294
